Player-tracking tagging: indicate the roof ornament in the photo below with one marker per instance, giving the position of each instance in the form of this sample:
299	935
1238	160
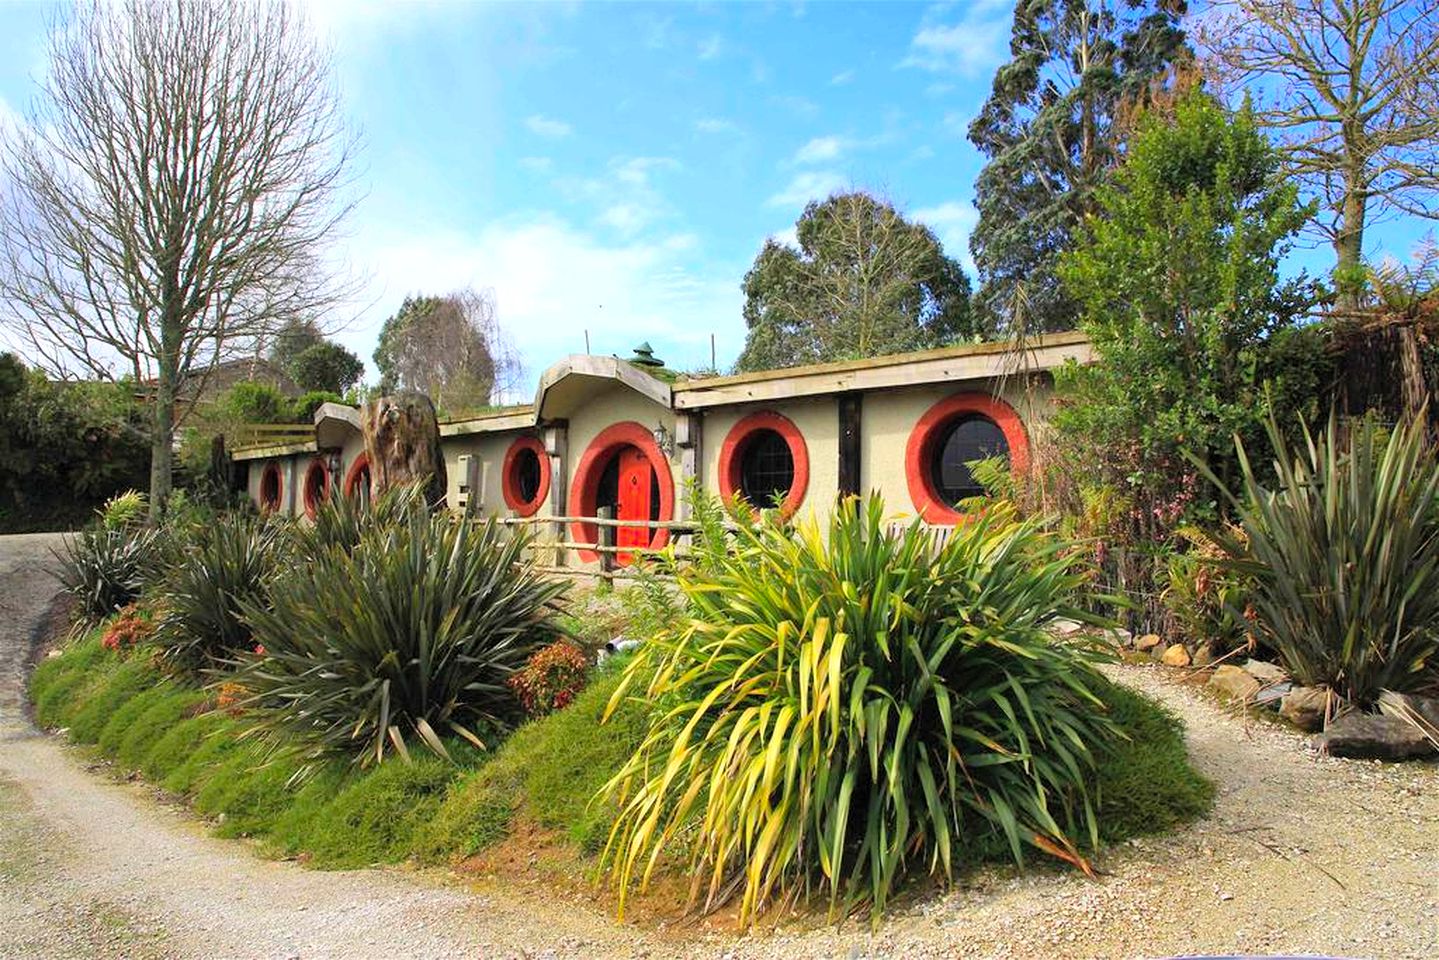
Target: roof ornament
645	356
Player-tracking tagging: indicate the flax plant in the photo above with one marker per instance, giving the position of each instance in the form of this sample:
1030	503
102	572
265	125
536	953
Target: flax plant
841	708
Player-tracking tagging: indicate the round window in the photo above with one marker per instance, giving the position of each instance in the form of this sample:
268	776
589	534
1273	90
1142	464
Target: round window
525	476
766	469
963	441
271	487
317	486
357	481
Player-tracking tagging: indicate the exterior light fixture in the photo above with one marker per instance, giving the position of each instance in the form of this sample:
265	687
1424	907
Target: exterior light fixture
664	440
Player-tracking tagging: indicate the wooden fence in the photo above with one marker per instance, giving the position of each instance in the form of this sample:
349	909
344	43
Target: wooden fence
608	552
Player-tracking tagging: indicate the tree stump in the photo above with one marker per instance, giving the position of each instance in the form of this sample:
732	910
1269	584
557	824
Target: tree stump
402	442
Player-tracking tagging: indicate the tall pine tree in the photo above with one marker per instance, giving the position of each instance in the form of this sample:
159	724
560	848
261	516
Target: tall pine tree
1051	130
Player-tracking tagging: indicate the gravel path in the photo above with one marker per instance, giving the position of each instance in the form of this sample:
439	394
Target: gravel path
1301	855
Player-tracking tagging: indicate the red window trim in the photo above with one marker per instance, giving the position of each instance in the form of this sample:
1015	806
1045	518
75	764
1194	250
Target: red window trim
509	483
352	476
272	469
731	458
312	505
926	433
584	489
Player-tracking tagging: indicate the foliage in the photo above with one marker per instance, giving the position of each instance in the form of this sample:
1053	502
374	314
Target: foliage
1178	284
1344	550
375	819
841	709
413	633
341	522
449	348
130	629
1050	133
64	447
105	570
863	282
303	407
255	402
1143	782
294	337
124	510
1348	91
228	565
326	368
1208	599
547	772
551	678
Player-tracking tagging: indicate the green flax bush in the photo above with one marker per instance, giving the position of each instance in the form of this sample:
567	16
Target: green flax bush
412	635
841	708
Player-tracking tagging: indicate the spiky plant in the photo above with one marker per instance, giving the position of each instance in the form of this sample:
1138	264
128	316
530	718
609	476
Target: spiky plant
106	568
342	521
1344	551
214	572
841	709
411	636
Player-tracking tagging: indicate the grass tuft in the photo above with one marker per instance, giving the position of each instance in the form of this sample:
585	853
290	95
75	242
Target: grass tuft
375	819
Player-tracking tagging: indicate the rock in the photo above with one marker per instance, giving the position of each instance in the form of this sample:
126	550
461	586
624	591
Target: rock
1066	627
1304	707
1203	655
1147	642
1234	682
1374	736
1263	671
1270	695
1176	656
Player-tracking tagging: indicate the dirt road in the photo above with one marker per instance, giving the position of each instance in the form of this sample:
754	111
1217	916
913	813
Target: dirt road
1301	855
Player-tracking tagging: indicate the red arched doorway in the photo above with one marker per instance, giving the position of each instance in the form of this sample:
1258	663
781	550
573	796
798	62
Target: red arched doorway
623	469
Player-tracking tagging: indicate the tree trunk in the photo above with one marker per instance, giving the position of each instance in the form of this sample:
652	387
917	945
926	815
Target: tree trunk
1349	247
162	443
402	441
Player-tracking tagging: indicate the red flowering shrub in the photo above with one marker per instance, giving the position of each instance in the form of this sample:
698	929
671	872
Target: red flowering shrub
551	679
127	630
229	696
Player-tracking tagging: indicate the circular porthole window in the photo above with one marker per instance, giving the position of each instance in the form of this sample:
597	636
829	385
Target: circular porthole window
272	487
357	480
317	486
525	479
764	461
952	434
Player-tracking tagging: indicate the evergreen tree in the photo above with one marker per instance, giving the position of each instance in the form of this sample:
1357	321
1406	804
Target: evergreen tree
864	282
1052	131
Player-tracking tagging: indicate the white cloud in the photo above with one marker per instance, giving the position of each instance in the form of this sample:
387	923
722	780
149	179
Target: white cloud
537	164
552	282
803	106
627	218
821	150
807	186
715	125
970	46
636	170
710	47
841	78
788	237
952	222
548	126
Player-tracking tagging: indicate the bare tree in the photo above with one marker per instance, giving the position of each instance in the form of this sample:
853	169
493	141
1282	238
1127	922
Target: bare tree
450	348
169	200
1351	87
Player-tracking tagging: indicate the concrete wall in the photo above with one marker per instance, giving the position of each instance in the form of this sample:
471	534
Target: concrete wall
817	419
489	449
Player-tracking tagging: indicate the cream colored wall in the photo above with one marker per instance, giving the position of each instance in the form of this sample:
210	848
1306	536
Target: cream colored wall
490	449
615	404
817	419
889	417
292	471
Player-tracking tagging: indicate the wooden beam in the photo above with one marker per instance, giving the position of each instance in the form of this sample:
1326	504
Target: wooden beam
689	440
557	447
850	406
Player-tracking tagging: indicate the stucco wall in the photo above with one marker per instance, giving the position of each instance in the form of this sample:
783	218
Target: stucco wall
611	405
489	448
817	419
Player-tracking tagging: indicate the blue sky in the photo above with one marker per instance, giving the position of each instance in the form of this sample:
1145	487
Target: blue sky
616	167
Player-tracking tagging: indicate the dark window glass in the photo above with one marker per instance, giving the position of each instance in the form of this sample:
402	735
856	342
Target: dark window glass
527	474
963	440
766	469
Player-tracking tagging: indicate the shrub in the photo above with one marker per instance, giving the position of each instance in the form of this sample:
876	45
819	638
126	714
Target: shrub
551	679
1143	783
112	691
124	510
1345	556
154	724
105	570
551	770
251	402
130	629
836	709
375	818
415	633
230	563
175	747
1208	599
342	521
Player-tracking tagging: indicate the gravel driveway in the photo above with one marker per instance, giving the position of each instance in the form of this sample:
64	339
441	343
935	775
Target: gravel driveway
1301	855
